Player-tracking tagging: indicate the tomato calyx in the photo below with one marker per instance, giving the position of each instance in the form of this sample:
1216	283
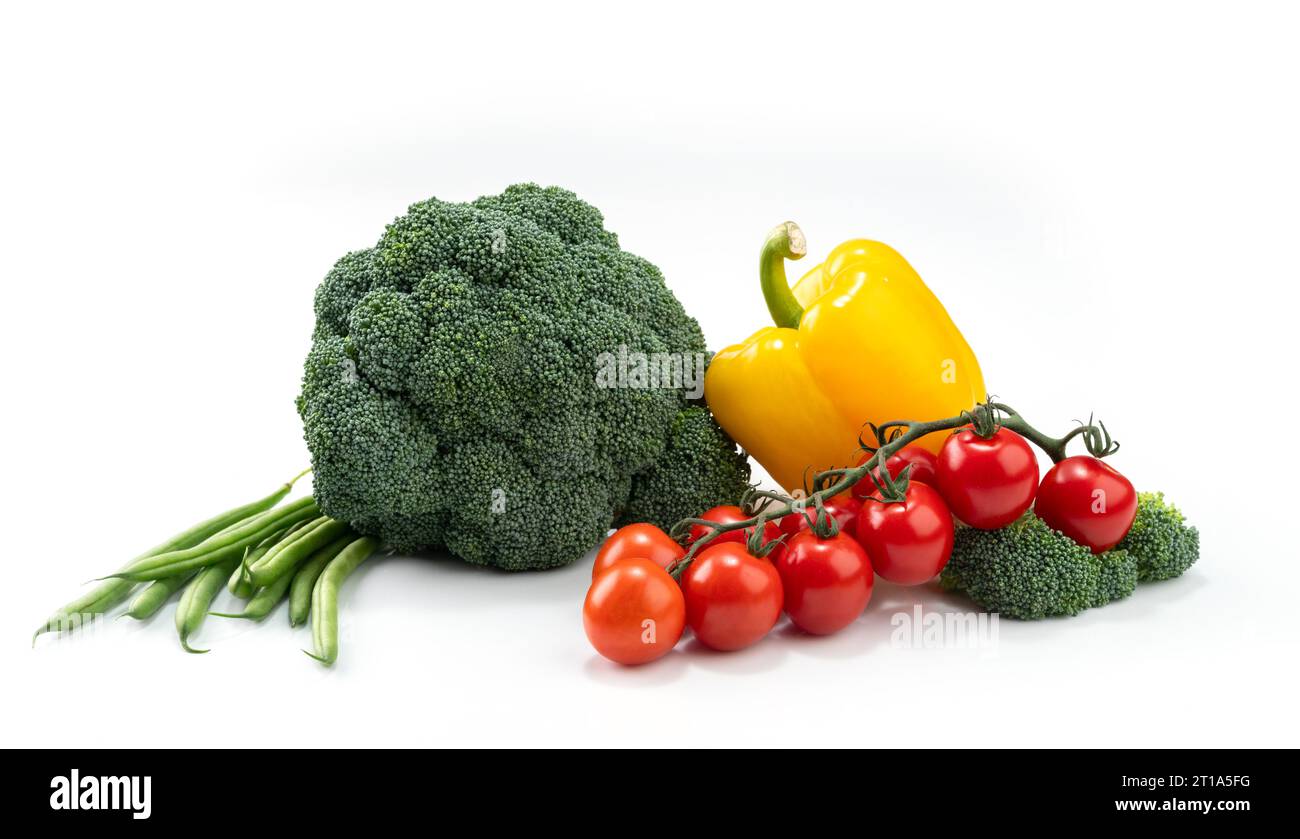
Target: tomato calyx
985	420
891	490
820	519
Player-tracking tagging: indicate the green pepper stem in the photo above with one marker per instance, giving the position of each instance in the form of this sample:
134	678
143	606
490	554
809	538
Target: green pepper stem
786	241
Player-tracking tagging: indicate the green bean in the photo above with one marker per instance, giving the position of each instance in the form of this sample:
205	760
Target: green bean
304	579
267	597
218	549
306	527
243	588
264	600
197	598
289	554
325	598
116	590
237	585
154	595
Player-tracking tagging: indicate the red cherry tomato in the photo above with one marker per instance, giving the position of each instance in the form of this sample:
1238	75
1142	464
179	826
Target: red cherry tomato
923	462
634	612
908	541
844	508
1088	501
641	539
827	582
987	482
732	598
730	514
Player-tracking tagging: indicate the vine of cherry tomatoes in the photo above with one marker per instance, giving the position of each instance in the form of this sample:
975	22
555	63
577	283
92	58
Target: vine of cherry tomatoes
823	567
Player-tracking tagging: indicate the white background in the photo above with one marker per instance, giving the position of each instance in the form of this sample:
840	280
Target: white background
1105	199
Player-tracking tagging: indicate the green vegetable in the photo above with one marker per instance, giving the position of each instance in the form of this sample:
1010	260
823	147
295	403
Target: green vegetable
217	549
325	598
154	595
293	550
197	597
451	397
115	590
696	446
243	588
1161	542
1025	570
304	579
1029	571
1117	577
263	601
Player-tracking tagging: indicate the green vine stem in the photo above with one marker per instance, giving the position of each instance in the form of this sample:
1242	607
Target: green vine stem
984	419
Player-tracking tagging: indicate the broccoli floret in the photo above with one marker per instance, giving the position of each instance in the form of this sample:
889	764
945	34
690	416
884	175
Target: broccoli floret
1025	570
696	446
450	398
1161	542
1117	577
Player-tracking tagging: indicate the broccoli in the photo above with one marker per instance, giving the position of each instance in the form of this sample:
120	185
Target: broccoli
1161	542
1028	570
450	397
1025	570
1117	577
696	446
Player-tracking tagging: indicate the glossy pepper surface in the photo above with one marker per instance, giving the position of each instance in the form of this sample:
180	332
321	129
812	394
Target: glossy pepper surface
860	338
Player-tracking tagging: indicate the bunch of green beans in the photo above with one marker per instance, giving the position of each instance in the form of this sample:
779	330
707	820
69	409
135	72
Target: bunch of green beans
116	590
264	553
225	545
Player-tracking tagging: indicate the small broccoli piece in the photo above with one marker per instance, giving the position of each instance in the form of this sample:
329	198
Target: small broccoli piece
1025	570
450	398
1117	577
1161	542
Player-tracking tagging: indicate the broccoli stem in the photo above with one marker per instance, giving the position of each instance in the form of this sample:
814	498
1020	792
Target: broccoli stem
984	418
785	241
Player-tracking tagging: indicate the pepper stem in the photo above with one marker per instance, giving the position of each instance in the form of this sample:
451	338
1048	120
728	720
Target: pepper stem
786	241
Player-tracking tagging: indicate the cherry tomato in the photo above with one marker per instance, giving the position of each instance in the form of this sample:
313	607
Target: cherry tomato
732	598
923	462
844	508
641	539
1088	501
634	612
730	514
987	482
827	582
908	541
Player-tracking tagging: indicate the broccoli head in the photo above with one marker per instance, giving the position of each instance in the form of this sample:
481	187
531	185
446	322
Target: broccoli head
1161	542
1029	571
451	397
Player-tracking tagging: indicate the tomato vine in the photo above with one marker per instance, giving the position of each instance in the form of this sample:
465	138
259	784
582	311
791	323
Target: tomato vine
984	419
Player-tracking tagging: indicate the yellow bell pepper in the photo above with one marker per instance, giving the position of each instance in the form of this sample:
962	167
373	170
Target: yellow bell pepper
859	339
